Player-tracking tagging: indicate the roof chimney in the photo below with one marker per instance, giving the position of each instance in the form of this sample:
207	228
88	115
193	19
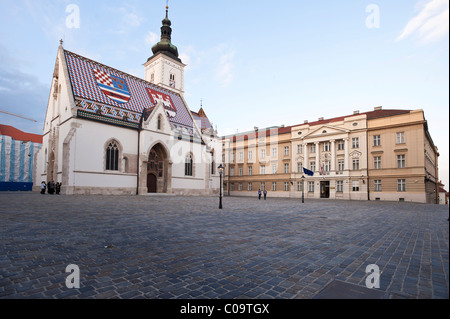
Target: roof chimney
356	112
305	122
377	108
320	118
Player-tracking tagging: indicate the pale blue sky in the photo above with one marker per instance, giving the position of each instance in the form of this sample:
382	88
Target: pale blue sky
254	63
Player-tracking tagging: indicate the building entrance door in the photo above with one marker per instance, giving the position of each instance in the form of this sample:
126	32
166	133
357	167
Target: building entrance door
151	183
325	189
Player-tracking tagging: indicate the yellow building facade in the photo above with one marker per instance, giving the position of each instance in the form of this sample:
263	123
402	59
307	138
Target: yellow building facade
376	155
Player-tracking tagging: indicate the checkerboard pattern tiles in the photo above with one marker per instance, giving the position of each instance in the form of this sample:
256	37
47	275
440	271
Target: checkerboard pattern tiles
84	84
103	77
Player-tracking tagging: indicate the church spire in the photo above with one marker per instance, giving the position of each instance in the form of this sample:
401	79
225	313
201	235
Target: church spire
165	45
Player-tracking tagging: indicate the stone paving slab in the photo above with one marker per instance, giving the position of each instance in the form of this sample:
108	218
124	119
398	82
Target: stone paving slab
169	247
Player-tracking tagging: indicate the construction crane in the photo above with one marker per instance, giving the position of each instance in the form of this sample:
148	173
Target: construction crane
26	118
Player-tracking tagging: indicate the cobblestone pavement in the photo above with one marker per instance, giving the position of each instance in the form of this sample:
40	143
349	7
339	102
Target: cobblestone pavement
185	247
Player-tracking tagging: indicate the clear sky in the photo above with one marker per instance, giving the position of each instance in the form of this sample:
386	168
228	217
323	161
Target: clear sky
253	63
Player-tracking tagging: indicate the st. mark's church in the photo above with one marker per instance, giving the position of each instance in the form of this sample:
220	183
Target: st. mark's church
108	132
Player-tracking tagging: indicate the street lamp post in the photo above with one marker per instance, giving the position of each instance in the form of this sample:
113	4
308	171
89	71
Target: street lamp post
220	185
303	188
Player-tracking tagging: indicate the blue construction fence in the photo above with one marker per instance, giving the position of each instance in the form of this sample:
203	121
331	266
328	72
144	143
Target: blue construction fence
15	187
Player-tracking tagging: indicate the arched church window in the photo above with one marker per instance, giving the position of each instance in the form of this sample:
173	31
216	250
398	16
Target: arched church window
188	165
213	165
159	122
112	156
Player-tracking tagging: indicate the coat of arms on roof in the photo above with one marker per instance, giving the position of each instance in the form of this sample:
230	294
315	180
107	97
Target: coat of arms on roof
165	99
113	86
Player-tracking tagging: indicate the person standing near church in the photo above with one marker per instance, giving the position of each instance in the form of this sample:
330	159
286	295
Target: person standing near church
265	194
259	193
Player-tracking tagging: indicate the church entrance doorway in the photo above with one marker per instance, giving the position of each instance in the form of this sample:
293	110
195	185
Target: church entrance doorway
151	183
156	170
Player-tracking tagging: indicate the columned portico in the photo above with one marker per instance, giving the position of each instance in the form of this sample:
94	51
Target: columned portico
317	156
333	157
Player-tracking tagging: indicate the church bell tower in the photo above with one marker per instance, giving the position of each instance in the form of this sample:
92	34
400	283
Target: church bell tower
164	67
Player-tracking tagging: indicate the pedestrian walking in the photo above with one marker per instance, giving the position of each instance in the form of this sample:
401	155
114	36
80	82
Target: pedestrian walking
43	187
259	194
51	187
265	194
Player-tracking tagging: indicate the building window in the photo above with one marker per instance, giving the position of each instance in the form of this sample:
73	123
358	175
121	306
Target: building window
355	142
401	185
188	166
376	140
401	161
250	155
263	186
241	171
232	187
339	186
213	164
241	156
311	187
312	166
299	149
377	162
355	186
299	186
250	186
326	167
159	122
152	77
274	186
286	150
274	169
400	138
274	152
299	167
286	186
263	153
240	186
341	145
286	168
377	185
232	171
112	156
355	164
326	147
262	170
312	148
250	170
232	157
340	166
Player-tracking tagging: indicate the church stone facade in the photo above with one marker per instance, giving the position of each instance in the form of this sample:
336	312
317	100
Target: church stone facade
108	132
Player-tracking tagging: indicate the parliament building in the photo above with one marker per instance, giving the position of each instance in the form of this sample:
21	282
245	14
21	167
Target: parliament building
375	155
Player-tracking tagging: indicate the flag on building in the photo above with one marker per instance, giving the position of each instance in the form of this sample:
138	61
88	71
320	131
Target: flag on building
308	172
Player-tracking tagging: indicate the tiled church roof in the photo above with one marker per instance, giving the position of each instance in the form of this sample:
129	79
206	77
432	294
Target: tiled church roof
96	97
202	120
